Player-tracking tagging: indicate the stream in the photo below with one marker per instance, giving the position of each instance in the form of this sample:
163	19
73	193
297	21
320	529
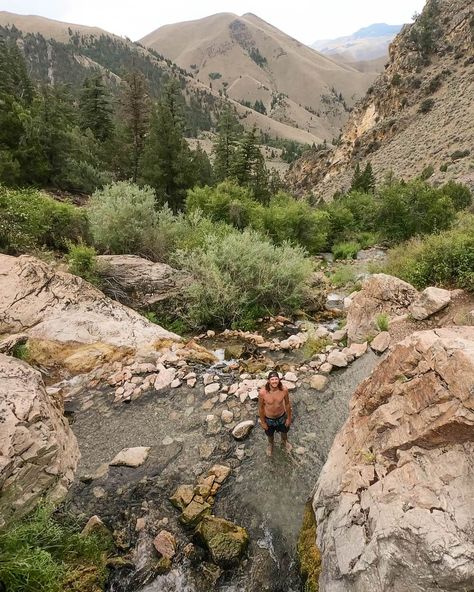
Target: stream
265	495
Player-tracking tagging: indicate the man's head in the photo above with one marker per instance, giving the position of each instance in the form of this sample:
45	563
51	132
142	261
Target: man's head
273	379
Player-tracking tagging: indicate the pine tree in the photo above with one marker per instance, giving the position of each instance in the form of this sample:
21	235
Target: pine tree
356	179
202	167
95	108
167	162
248	168
363	181
225	145
135	105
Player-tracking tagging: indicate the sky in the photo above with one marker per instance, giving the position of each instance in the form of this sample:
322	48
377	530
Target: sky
305	20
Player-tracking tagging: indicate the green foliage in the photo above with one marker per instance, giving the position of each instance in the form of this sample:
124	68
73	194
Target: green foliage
257	57
342	276
215	75
445	259
457	154
444	167
315	345
427	172
122	216
363	181
31	219
309	556
21	352
224	148
347	250
240	275
40	555
82	261
425	31
95	107
382	321
396	80
426	105
248	166
260	107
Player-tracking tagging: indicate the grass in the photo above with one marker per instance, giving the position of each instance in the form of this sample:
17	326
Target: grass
342	276
315	345
347	250
39	554
382	321
20	351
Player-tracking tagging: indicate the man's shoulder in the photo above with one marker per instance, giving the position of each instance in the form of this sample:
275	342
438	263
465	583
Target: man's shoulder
262	391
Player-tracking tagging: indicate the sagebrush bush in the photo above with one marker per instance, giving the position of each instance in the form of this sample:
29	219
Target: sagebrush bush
122	217
444	259
342	276
39	554
30	219
347	250
240	276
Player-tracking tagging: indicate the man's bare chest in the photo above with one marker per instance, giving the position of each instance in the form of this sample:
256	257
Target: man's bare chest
273	398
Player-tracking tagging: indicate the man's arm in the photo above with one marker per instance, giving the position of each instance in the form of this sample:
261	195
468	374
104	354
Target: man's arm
287	408
261	410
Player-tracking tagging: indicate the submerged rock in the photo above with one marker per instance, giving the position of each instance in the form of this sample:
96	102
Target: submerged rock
394	501
131	457
243	429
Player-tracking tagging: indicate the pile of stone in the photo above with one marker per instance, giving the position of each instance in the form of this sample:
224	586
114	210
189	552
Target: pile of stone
225	541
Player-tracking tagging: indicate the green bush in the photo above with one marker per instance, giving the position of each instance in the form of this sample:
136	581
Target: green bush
342	276
445	259
347	250
39	554
382	321
426	106
122	217
30	219
82	261
241	276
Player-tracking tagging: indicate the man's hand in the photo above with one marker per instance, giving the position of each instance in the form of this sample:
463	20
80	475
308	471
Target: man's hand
288	422
264	425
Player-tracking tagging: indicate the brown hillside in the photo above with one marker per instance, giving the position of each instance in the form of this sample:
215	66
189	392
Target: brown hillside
419	113
248	60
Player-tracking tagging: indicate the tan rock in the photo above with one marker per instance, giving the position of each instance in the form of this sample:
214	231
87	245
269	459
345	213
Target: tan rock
243	429
381	342
380	293
431	300
131	457
165	544
397	486
38	450
318	382
194	512
221	472
67	320
182	497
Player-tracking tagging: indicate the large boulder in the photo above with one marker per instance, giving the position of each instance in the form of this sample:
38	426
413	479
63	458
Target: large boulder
38	451
67	320
380	293
141	283
394	503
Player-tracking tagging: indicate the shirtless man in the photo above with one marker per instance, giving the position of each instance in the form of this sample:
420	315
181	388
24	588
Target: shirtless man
274	411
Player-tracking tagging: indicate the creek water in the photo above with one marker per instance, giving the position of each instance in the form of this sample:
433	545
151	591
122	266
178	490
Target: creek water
265	495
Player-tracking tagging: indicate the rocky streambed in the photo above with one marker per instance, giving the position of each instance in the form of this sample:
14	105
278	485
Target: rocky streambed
266	496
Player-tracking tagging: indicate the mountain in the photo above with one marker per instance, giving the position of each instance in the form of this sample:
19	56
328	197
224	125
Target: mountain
368	43
252	62
58	52
417	117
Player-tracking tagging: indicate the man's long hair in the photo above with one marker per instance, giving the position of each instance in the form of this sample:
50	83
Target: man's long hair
280	385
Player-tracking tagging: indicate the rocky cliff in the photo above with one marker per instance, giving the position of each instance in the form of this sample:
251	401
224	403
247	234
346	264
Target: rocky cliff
394	502
419	113
38	451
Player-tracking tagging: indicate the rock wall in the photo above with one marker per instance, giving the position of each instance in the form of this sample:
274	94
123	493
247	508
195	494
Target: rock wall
394	502
67	320
38	451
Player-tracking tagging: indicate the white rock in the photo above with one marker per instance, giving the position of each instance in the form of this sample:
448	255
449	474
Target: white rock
337	358
131	457
176	382
227	416
253	394
213	425
243	429
207	378
325	368
212	388
381	342
291	376
431	300
167	441
318	382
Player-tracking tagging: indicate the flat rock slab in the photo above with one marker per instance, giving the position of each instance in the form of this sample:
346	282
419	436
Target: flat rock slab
431	300
131	457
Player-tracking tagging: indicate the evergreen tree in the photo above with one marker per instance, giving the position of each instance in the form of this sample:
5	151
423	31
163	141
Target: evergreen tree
249	168
202	167
135	105
167	162
224	148
14	80
95	108
363	180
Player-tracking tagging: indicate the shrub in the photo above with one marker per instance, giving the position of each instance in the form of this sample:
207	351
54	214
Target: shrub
457	154
240	276
122	216
82	261
382	321
444	167
347	250
426	106
445	259
40	555
31	219
342	276
427	172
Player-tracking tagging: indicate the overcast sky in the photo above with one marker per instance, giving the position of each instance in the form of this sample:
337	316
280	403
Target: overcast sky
306	20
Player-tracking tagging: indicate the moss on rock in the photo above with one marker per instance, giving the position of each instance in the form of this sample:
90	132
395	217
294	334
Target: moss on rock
225	541
309	555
